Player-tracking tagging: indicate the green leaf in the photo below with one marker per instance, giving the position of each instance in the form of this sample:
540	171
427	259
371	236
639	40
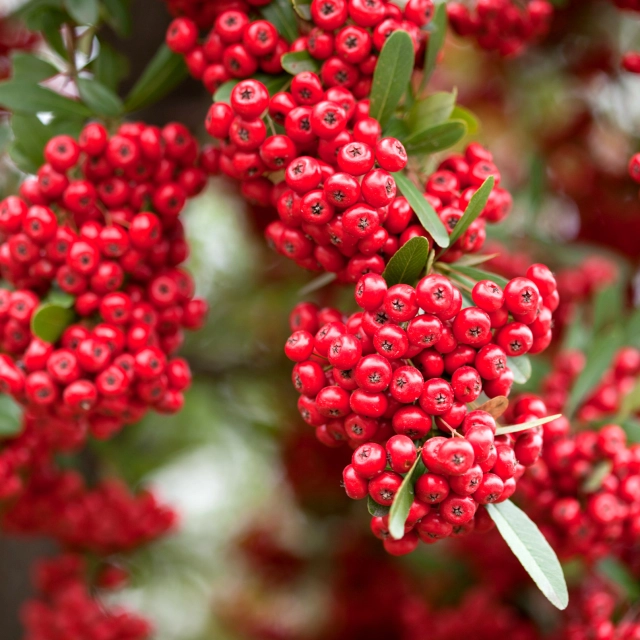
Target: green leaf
521	368
10	417
26	97
165	71
101	100
402	502
317	283
302	8
281	15
437	33
299	61
425	212
406	265
29	68
597	476
460	113
532	549
50	320
31	137
32	8
50	24
83	11
473	259
632	329
475	207
60	298
396	128
607	305
21	159
618	573
433	110
436	138
376	509
110	66
599	358
630	403
66	126
117	15
475	274
391	76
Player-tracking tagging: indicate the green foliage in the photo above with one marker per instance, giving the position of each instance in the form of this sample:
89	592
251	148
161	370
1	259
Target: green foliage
165	71
302	8
532	550
99	98
425	212
403	500
437	33
26	97
461	113
117	15
406	265
30	138
599	357
376	509
50	320
434	109
391	76
280	14
521	368
110	67
436	138
27	67
299	61
83	11
10	417
475	207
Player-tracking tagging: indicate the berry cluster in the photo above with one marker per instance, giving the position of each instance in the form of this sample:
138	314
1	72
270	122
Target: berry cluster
585	491
236	47
85	228
65	607
383	386
105	519
504	26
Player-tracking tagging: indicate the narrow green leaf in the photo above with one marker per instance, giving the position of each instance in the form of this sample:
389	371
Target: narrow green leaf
607	305
433	110
70	126
50	24
164	72
402	502
117	15
437	138
395	128
632	329
223	92
521	368
630	403
461	113
31	136
532	549
475	207
50	320
83	11
101	100
618	573
29	68
425	212
317	283
31	8
376	509
281	15
437	33
599	358
597	476
391	76
110	66
26	97
523	426
10	417
406	265
302	8
299	61
476	275
474	259
578	333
